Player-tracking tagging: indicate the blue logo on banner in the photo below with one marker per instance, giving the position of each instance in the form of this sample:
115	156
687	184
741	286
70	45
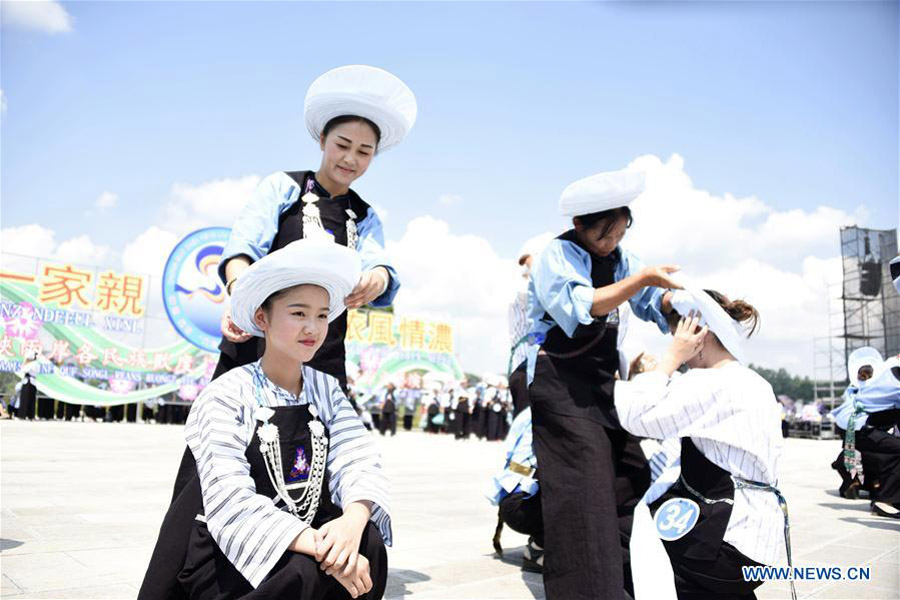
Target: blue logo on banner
193	295
675	518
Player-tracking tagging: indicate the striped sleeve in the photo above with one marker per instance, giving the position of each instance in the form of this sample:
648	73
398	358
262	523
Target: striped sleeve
652	405
665	454
246	526
354	463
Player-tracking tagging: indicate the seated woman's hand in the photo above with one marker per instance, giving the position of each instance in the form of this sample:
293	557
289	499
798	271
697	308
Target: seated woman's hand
356	578
339	545
686	343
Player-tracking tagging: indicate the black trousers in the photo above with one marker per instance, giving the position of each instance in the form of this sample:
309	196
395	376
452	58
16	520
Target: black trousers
463	425
494	426
45	408
208	575
388	422
881	463
407	421
591	479
27	401
522	513
719	579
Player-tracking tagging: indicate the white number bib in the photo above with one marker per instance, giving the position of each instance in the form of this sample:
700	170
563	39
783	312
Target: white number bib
675	518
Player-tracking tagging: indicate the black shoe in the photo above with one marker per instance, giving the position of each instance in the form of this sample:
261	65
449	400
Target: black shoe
533	561
885	509
850	490
530	566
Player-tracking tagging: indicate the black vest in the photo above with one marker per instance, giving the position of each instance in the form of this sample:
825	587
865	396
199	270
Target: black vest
587	362
333	213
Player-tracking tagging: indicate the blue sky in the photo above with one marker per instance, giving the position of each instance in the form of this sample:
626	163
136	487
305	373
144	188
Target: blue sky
795	104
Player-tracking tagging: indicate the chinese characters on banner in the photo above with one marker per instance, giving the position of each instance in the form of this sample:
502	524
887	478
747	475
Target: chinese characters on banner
384	329
48	310
66	286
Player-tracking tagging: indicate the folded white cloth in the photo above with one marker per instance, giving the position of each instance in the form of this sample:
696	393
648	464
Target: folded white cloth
331	266
362	91
603	191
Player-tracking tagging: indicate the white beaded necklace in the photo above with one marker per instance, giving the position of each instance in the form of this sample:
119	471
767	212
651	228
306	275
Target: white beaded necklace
306	506
312	221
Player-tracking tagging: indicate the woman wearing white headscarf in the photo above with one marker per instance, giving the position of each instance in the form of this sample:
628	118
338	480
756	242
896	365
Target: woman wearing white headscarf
719	510
870	458
352	113
295	503
861	366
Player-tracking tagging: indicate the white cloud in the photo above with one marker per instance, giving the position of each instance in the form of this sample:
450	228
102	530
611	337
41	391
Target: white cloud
382	212
149	251
191	207
2	102
782	262
83	251
675	221
106	200
35	240
47	16
450	199
461	279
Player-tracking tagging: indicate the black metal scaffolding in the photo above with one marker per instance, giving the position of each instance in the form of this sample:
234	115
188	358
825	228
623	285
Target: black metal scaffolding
871	304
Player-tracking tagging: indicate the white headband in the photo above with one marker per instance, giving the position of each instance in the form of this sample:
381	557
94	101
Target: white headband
730	332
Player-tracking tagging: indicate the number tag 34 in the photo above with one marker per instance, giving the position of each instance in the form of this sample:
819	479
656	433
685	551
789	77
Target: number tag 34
675	518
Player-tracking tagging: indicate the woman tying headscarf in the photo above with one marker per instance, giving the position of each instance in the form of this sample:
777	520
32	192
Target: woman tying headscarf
720	510
294	497
577	283
352	112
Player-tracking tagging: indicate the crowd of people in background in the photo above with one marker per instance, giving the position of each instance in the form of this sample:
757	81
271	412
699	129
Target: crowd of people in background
480	410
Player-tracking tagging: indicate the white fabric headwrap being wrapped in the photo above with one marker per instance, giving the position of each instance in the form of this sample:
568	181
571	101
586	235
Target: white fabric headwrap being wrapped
730	332
362	91
331	266
863	357
603	191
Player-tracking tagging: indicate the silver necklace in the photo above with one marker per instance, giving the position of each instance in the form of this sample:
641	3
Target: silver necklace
307	504
312	221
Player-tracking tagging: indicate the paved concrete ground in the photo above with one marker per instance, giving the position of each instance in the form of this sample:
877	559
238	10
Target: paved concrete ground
82	503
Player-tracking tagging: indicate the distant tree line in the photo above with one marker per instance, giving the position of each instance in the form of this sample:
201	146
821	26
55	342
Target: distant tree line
796	387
